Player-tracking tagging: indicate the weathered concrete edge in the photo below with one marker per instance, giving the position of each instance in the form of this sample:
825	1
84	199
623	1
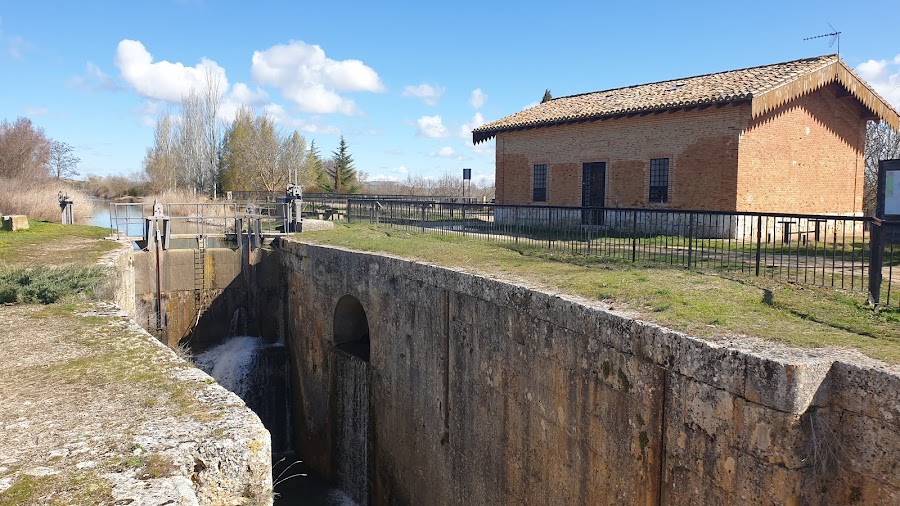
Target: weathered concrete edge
771	374
227	469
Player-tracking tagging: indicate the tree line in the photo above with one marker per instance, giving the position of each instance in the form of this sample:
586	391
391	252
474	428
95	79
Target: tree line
27	153
193	151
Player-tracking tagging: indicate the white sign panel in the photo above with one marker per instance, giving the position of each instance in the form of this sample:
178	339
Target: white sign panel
892	193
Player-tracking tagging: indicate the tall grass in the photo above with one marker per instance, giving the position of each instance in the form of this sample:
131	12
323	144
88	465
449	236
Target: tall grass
37	199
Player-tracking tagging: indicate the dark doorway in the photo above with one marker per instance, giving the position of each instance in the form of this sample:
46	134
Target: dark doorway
351	327
593	192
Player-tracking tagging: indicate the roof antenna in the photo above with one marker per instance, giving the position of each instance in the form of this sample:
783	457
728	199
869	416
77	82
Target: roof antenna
835	36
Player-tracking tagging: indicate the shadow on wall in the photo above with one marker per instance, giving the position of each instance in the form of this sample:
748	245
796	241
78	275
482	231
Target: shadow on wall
351	328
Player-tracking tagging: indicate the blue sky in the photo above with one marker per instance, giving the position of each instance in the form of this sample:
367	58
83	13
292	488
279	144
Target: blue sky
404	82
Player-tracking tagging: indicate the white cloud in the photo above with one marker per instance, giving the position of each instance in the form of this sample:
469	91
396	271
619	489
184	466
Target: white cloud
402	170
163	80
16	46
425	92
532	104
884	76
242	95
149	112
306	76
431	126
94	80
444	152
282	117
465	131
36	111
447	152
478	98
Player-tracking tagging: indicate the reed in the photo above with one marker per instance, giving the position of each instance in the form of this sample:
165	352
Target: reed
37	199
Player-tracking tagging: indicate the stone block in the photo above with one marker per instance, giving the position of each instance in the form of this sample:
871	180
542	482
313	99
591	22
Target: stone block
15	222
789	384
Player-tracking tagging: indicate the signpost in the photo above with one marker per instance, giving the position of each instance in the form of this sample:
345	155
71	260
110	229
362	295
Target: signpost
467	181
886	225
888	205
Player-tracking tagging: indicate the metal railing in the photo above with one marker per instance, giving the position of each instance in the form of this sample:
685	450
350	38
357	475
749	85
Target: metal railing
823	250
270	196
127	220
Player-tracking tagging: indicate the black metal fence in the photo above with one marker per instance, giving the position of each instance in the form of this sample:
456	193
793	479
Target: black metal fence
825	250
271	196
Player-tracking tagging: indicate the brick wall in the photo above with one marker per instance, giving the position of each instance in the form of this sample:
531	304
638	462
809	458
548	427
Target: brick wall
804	157
820	134
701	146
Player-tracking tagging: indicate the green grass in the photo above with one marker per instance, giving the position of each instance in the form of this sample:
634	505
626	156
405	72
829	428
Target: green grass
703	304
53	244
45	285
82	487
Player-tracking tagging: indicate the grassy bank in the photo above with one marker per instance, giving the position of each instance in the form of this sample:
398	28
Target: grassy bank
53	244
702	304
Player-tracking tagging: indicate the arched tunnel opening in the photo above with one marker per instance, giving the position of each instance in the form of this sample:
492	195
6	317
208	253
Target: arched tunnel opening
351	328
351	429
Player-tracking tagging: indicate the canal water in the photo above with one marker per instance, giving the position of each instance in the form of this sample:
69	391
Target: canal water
129	223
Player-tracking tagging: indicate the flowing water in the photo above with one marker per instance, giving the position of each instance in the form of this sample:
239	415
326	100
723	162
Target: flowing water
352	430
258	373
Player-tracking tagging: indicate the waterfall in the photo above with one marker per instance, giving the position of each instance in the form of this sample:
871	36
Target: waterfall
351	409
258	373
239	322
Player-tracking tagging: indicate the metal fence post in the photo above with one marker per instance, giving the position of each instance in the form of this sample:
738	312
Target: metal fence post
690	253
634	237
758	241
876	260
549	228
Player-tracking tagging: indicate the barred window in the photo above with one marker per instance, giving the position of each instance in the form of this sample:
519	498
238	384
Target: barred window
659	180
539	183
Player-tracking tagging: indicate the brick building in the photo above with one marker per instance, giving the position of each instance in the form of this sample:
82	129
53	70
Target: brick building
787	137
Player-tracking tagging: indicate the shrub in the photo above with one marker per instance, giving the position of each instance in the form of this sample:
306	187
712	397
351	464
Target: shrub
46	285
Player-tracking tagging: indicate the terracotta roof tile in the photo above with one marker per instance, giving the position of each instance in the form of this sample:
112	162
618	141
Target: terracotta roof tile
733	85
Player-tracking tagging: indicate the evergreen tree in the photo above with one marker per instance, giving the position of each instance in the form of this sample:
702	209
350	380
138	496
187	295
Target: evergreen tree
315	165
547	96
341	173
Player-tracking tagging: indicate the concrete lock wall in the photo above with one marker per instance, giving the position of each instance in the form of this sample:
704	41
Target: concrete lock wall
484	392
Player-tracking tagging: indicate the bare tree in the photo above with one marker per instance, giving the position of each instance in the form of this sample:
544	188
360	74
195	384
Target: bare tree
882	143
63	161
160	163
24	150
211	96
190	143
292	158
